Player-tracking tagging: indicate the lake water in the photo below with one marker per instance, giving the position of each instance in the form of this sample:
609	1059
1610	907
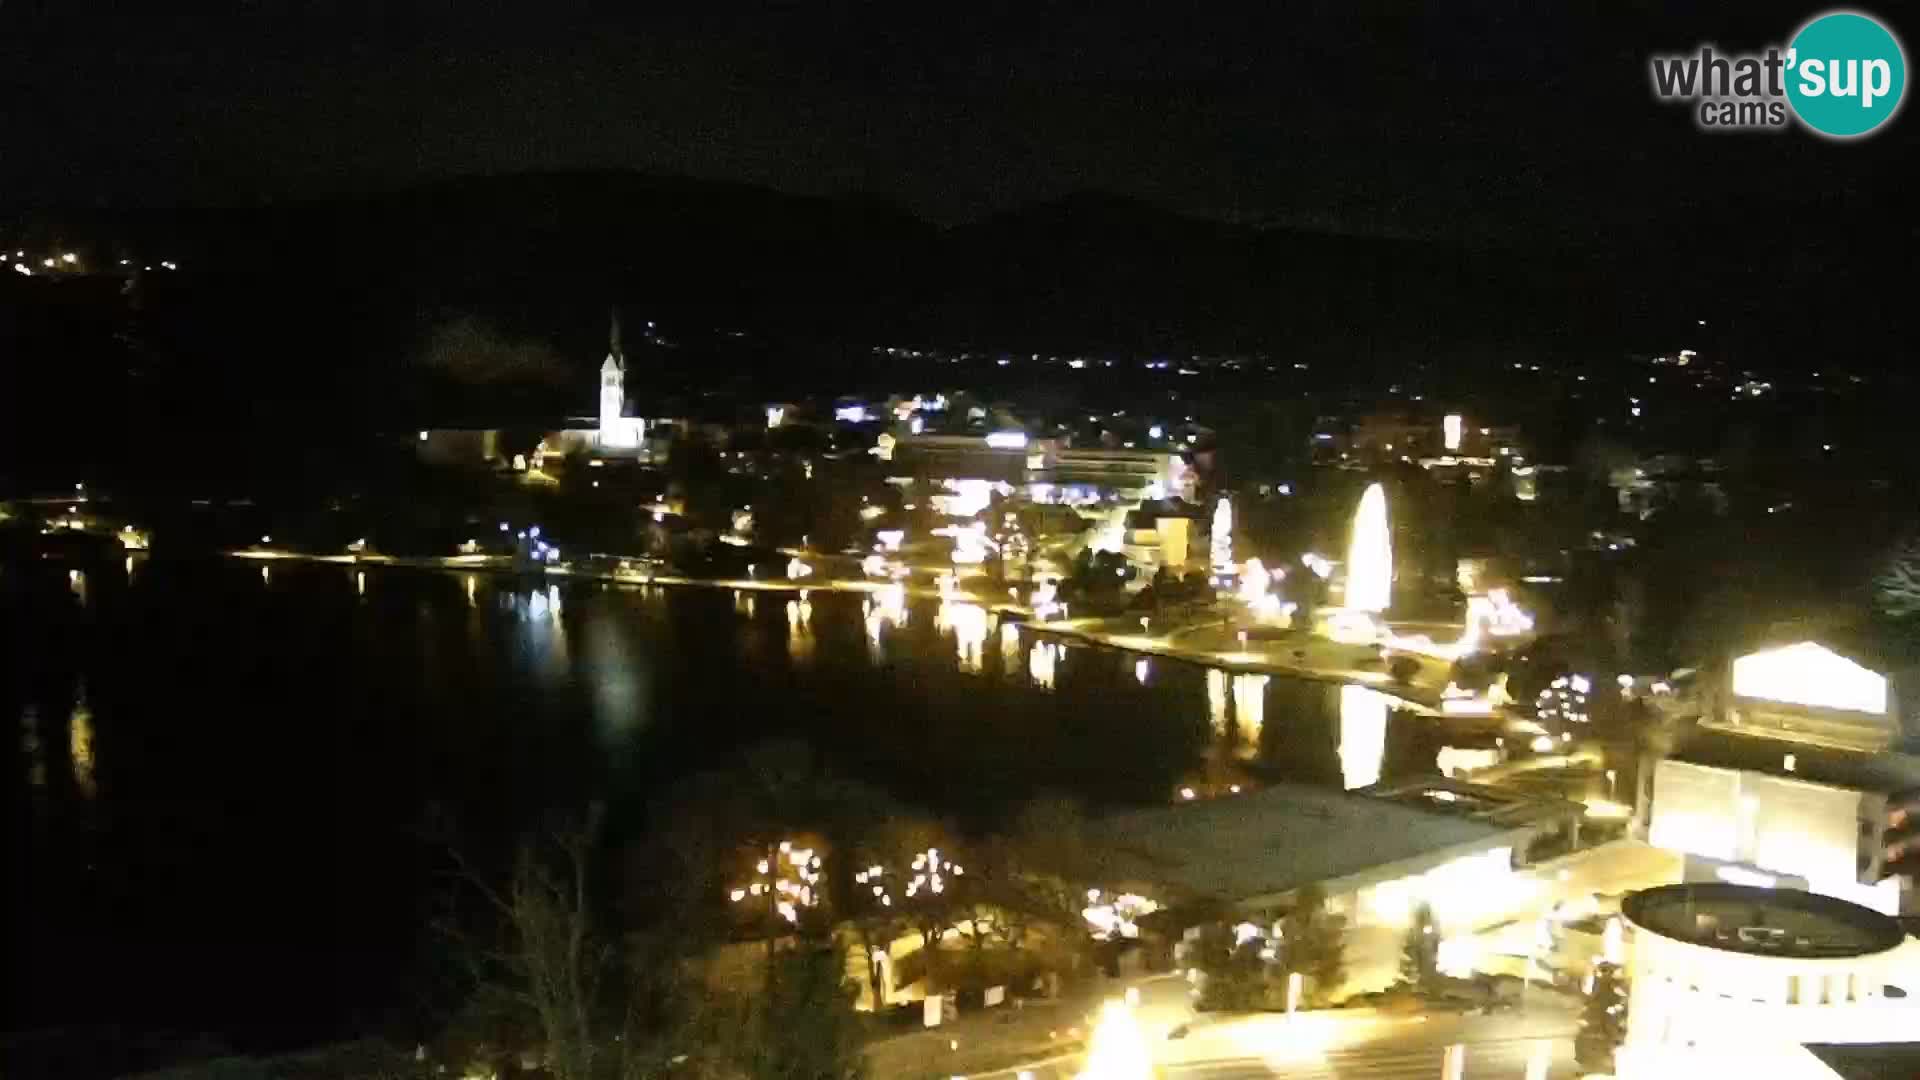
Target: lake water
216	771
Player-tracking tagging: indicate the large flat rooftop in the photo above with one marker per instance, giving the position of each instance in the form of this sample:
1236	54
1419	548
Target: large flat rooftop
1278	839
1762	922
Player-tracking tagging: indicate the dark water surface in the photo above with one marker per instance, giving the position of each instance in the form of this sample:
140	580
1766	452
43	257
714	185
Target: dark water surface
215	773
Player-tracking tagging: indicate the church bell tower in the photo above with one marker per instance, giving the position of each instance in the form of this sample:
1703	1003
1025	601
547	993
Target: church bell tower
616	430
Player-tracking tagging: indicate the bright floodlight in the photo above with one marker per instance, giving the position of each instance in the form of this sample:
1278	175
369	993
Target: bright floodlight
1007	440
1370	554
1118	1050
1450	427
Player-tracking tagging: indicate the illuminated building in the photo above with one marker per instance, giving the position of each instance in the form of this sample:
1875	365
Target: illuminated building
617	430
1391	436
1820	692
1254	851
1823	823
610	433
1726	980
1526	483
1045	469
1158	536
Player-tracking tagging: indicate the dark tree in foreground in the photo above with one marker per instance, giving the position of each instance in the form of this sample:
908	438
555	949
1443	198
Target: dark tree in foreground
550	961
1420	952
1315	943
804	1027
1896	591
1603	1018
1235	974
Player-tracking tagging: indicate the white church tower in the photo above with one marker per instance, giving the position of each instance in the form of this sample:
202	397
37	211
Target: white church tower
617	431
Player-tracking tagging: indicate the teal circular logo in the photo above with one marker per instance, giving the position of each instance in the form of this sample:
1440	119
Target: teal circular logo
1845	74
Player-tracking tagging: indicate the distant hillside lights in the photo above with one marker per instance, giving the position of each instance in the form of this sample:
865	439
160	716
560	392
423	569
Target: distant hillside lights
62	263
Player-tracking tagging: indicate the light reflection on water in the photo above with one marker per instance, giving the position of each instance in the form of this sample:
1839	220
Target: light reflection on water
883	609
1310	732
1249	710
968	625
80	745
800	641
30	746
549	695
1040	663
1363	736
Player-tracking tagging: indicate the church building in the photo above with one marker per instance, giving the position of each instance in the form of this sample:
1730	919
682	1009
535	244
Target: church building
618	431
613	435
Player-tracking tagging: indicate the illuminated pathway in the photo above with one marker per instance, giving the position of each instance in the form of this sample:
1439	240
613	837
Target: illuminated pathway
1320	659
1509	1046
1511	1058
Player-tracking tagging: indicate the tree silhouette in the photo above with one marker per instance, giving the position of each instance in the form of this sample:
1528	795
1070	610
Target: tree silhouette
1896	590
1315	943
1603	1018
1420	952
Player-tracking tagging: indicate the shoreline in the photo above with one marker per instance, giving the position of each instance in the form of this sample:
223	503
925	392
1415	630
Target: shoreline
1416	699
1247	663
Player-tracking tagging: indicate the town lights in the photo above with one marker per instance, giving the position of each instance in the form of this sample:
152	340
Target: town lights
794	870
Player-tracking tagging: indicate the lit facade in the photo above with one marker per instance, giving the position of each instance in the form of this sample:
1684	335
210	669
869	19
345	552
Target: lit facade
617	430
610	433
1810	692
1720	972
1753	828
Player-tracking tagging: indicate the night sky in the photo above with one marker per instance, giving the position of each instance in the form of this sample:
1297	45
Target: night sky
1518	121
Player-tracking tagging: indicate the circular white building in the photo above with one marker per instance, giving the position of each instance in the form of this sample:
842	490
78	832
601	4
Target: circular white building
1721	972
